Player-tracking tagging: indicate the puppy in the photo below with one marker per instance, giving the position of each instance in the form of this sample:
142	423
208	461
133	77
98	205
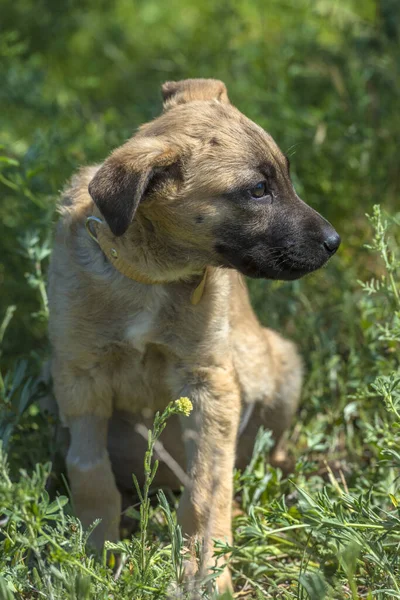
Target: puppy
148	304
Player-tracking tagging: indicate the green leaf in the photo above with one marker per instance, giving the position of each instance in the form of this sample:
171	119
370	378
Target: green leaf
9	161
57	505
314	584
5	592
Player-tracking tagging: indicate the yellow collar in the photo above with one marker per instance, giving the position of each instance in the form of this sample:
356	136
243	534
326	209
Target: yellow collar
99	235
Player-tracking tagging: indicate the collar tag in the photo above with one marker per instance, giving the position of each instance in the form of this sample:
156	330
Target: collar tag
198	292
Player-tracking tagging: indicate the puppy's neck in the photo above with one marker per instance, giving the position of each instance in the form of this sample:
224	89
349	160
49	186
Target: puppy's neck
119	253
115	252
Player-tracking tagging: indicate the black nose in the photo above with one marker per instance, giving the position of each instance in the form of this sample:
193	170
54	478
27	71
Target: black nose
332	243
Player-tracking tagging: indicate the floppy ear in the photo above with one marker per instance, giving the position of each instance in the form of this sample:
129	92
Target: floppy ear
121	182
188	90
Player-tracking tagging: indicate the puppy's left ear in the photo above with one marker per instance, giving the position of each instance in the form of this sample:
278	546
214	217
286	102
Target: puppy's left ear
121	182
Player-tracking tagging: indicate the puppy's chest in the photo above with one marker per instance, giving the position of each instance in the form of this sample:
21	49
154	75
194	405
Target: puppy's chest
141	329
139	374
142	325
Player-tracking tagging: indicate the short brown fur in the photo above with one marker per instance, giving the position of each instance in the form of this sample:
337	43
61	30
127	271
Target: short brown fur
123	349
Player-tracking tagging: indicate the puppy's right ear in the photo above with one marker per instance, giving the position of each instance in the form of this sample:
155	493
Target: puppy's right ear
121	182
189	90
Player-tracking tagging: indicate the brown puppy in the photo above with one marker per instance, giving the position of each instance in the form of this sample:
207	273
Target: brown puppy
148	304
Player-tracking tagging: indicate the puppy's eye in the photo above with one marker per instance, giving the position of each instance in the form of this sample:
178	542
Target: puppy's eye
260	190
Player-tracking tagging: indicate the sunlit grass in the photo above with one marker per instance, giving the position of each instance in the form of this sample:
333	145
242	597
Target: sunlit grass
331	529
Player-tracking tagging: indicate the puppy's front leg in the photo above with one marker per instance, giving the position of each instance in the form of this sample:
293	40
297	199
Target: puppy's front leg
94	491
210	437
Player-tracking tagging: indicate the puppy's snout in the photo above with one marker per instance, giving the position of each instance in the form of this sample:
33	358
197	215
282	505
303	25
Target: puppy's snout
332	242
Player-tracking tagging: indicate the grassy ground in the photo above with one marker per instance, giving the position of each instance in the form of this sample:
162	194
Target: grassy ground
329	530
323	78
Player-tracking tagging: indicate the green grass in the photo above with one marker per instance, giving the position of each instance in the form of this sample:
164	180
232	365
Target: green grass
329	530
324	78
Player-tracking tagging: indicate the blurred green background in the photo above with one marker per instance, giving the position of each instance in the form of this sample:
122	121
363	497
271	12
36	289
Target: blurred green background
78	77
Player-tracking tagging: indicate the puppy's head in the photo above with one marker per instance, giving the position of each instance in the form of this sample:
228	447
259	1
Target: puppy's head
216	189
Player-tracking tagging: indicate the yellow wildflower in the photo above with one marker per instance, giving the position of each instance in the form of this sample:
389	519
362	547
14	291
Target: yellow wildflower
184	406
